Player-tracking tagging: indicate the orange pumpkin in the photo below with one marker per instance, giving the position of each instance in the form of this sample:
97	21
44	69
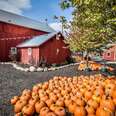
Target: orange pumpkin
91	115
72	107
53	107
90	110
93	103
26	91
59	95
49	102
80	102
28	110
67	102
80	111
60	102
34	95
45	85
44	98
99	91
39	105
114	100
44	111
51	114
96	98
32	101
19	105
67	96
35	89
114	94
25	96
108	104
14	100
102	112
79	94
60	111
88	95
54	97
42	93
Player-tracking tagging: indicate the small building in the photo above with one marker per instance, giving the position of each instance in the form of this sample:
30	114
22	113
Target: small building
15	29
110	54
48	47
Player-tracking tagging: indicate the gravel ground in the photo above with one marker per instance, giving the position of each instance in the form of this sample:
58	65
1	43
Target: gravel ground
12	82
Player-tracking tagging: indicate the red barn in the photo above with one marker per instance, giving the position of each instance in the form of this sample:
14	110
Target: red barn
15	29
50	47
21	32
110	54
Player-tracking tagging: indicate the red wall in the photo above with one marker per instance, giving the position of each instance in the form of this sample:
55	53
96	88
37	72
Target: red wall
9	37
25	58
112	52
5	45
10	30
49	49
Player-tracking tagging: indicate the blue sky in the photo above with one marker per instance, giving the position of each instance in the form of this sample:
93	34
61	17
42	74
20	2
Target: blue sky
42	9
37	9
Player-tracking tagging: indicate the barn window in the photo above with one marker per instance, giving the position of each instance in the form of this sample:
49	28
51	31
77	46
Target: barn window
29	51
13	50
108	54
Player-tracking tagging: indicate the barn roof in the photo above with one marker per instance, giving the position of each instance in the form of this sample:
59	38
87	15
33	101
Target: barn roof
37	41
12	18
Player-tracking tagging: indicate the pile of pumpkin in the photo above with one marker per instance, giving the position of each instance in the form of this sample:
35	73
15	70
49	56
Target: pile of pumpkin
92	65
81	96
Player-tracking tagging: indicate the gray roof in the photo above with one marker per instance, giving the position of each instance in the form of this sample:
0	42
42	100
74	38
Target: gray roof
37	41
12	18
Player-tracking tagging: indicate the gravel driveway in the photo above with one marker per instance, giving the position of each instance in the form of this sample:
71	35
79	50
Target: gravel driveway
12	82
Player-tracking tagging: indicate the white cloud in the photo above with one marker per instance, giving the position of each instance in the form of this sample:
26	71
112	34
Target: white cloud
15	6
56	26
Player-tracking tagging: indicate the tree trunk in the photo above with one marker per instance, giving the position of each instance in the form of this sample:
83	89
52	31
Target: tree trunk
82	56
87	60
87	64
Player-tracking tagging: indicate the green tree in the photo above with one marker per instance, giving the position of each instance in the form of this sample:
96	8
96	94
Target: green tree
93	24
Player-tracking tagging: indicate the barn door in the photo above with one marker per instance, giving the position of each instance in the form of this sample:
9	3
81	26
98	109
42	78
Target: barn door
30	58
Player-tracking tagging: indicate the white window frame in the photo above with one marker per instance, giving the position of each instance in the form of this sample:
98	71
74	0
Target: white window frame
13	50
29	51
